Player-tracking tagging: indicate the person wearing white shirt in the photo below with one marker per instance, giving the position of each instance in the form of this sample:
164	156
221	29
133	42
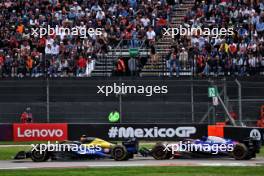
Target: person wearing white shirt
183	58
76	7
55	49
112	9
145	21
151	35
194	40
63	67
100	15
96	8
48	51
49	41
90	65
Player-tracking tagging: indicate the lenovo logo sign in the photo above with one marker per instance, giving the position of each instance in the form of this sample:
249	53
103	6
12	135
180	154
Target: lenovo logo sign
40	132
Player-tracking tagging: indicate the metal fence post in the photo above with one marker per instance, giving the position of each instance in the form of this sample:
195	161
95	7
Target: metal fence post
239	101
225	95
47	89
48	99
192	101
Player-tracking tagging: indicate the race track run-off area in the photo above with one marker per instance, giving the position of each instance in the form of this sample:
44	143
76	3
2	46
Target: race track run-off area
28	164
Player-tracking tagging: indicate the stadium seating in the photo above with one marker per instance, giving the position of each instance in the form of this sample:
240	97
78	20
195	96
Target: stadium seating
124	26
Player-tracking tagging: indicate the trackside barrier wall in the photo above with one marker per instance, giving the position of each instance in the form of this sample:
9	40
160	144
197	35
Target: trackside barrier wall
147	132
6	132
240	133
114	132
236	133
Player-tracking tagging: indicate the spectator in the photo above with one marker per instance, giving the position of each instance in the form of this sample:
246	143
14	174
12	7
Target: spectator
120	67
145	21
81	66
151	36
183	58
174	64
1	65
153	56
48	51
90	66
64	67
134	39
132	65
26	116
29	65
54	50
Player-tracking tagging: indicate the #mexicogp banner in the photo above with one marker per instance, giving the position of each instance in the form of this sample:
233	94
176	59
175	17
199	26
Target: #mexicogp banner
149	132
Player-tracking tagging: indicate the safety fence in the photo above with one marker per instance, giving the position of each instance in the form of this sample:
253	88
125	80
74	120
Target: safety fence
66	100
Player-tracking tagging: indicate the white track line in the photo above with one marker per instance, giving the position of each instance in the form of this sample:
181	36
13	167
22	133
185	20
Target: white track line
10	168
14	146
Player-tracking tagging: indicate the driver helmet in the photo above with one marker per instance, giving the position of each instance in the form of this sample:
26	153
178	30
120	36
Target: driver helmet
204	138
83	137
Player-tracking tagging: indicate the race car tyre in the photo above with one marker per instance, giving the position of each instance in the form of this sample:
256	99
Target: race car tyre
250	155
240	151
38	156
119	153
159	153
129	156
169	155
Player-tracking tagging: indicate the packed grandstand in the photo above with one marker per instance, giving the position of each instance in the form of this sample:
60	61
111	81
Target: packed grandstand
132	24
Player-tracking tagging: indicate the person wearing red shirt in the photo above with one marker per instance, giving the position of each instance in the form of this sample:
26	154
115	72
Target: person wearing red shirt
120	67
81	66
41	44
161	22
1	65
23	117
200	63
127	36
26	116
233	49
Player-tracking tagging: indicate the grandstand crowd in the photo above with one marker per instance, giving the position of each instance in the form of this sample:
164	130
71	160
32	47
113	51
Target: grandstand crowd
239	54
23	54
134	21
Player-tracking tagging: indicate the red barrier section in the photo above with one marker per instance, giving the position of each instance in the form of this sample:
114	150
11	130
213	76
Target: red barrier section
216	130
40	132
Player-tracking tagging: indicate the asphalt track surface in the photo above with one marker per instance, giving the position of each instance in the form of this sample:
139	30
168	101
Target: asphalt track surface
28	164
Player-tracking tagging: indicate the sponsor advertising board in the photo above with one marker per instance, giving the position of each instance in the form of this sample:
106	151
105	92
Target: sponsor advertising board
40	132
139	131
240	133
149	132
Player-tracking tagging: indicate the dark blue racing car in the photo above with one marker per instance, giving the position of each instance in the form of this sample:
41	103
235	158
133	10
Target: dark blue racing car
207	147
